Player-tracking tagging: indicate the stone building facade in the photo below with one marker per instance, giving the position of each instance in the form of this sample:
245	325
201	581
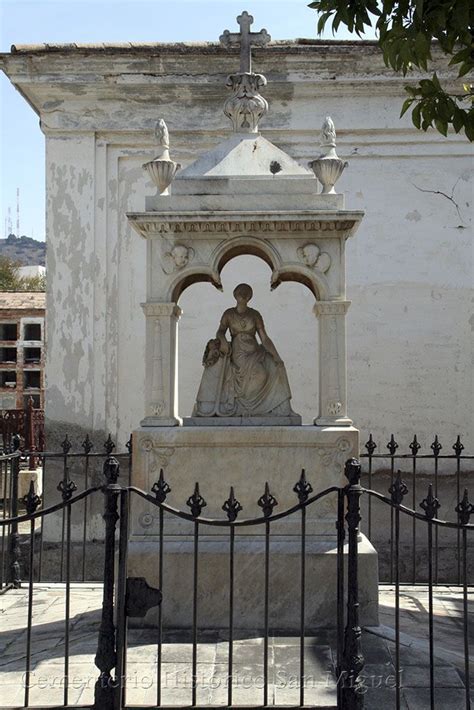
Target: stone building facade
409	273
22	317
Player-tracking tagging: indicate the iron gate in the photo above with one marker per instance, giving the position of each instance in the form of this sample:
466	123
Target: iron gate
125	597
134	597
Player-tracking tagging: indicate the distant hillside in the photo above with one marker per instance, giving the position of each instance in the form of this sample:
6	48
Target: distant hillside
25	250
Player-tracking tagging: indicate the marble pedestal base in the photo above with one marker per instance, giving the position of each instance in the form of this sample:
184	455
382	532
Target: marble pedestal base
284	588
246	458
291	420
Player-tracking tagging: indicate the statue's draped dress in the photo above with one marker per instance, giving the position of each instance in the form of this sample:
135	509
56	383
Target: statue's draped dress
248	382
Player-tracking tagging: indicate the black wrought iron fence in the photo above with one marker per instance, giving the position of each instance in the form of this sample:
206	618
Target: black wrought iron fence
124	596
449	469
70	471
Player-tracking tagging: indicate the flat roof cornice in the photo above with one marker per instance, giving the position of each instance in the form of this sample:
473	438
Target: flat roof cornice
291	46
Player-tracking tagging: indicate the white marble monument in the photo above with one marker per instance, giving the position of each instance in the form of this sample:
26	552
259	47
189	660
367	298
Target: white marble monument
245	196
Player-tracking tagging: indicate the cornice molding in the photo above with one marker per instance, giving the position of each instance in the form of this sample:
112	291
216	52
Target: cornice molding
332	225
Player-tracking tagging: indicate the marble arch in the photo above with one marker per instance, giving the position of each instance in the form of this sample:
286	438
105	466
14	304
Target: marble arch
245	196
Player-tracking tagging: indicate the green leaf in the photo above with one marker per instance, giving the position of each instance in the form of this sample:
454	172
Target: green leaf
465	68
412	90
442	126
435	82
416	116
422	46
406	105
458	119
427	87
445	108
469	131
461	56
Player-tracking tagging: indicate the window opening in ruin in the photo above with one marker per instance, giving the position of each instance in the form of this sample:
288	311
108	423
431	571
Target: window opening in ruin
32	379
8	379
8	355
32	331
32	356
8	331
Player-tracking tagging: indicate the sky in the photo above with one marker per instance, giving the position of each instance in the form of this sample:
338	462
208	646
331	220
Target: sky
37	21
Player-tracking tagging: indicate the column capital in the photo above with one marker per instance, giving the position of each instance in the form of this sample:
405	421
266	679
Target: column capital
331	308
153	308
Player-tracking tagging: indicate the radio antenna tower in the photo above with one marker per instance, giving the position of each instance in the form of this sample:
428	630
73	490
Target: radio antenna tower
18	212
9	226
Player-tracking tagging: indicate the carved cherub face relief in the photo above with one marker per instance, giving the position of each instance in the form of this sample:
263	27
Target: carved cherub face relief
180	255
310	254
177	258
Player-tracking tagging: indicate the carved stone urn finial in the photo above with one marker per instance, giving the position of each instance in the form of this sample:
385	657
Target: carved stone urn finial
246	106
328	168
162	169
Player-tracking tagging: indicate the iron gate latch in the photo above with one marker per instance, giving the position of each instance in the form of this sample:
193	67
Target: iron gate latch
140	597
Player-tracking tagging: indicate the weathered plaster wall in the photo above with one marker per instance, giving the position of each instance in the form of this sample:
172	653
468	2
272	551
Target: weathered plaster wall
410	267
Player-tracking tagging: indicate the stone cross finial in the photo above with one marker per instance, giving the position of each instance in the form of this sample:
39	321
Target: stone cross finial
246	39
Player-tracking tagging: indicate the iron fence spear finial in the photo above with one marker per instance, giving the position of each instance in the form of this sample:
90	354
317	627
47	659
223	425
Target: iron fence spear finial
232	506
303	488
161	488
196	502
458	446
430	504
370	445
464	509
267	502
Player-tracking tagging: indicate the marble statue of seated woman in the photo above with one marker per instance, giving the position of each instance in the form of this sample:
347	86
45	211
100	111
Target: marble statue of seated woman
244	378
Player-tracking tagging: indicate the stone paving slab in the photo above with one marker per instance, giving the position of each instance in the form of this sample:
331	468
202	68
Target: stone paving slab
47	667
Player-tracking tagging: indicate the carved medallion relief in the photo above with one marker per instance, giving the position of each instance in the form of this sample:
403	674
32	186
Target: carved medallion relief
310	254
177	258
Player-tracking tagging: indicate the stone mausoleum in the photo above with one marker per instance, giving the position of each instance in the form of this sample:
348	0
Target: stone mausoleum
409	269
409	273
245	196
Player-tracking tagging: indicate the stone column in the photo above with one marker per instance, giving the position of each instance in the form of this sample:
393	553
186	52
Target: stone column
332	363
161	368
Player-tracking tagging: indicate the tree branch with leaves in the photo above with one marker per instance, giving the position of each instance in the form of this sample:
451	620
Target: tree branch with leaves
407	32
10	279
